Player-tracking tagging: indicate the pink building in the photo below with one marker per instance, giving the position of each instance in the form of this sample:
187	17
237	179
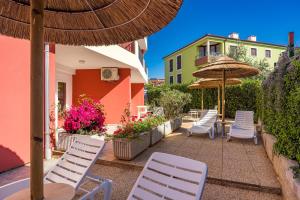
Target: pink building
114	74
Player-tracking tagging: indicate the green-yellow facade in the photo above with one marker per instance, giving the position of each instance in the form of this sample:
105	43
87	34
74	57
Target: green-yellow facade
180	64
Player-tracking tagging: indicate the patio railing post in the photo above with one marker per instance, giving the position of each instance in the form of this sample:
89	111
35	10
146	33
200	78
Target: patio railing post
36	98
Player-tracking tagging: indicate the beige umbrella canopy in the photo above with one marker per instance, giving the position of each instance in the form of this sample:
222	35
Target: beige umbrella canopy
225	68
74	22
89	22
213	83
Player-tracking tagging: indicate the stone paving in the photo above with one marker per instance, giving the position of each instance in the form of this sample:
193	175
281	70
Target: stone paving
243	166
238	162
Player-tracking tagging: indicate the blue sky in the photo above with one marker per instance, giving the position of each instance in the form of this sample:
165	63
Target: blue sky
269	20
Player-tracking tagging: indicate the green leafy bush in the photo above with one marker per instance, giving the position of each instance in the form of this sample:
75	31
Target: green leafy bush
241	97
173	102
281	108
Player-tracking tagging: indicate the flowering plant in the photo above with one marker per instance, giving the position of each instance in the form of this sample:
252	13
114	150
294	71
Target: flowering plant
132	127
86	118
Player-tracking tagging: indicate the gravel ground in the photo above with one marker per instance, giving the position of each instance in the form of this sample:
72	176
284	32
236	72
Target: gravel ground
124	178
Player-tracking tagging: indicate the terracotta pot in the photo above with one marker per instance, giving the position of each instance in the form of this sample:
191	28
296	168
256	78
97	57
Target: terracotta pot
125	149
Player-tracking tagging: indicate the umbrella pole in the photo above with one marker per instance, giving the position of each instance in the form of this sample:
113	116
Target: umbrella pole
36	98
219	100
223	102
202	101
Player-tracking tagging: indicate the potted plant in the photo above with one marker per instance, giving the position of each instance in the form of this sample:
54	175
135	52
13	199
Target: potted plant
86	119
132	138
157	128
173	102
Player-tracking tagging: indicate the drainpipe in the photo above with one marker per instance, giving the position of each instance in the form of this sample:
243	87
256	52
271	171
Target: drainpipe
48	153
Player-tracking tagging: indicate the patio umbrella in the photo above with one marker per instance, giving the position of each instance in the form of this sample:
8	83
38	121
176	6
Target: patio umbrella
225	68
213	83
74	22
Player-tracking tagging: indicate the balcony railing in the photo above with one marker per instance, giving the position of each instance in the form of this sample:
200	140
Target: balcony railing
200	60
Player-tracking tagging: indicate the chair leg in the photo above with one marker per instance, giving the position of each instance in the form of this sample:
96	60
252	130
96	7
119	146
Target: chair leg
107	189
228	138
255	140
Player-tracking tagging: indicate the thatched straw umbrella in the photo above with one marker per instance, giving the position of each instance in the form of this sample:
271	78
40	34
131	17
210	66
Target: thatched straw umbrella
212	83
225	68
74	22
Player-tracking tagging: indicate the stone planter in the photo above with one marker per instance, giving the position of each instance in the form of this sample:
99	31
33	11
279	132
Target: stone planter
282	167
167	128
125	149
176	123
157	134
66	139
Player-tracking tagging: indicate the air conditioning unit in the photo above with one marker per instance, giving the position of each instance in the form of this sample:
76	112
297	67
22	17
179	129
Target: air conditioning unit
109	74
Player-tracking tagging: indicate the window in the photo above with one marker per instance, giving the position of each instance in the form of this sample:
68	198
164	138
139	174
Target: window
232	49
178	78
178	62
171	65
202	50
268	53
253	52
61	93
171	80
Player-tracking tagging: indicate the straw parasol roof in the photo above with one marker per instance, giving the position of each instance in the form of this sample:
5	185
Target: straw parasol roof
213	83
233	69
89	22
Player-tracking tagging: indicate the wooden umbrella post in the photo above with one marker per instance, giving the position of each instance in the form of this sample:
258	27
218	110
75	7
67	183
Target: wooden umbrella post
219	101
223	102
36	98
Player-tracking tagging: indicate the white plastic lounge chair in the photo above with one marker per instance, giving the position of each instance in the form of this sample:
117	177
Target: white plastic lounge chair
243	126
73	169
205	124
168	176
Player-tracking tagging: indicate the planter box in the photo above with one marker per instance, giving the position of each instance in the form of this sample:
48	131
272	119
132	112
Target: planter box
167	128
66	139
125	149
282	167
176	123
157	134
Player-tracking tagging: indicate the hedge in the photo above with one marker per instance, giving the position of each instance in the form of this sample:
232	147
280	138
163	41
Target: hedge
240	97
281	108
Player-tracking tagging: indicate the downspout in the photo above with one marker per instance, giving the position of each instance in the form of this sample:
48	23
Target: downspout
48	153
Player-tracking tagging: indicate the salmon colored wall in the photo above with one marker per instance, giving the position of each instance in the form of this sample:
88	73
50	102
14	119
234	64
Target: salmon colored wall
137	96
15	101
113	95
14	106
52	87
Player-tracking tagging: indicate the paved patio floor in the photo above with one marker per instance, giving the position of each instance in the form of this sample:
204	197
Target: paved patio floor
238	170
240	163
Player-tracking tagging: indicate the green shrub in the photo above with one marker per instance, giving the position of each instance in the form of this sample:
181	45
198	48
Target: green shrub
241	97
281	109
173	102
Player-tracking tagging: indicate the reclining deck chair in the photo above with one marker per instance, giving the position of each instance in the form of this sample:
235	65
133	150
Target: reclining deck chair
243	126
205	125
73	168
168	176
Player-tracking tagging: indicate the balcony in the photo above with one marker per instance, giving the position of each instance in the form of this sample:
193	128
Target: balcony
201	60
129	46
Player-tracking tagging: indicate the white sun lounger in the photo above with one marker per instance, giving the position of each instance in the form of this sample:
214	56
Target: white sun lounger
243	126
73	169
168	176
205	124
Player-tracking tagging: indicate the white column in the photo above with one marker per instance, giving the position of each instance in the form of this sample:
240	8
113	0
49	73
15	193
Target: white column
208	48
48	152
